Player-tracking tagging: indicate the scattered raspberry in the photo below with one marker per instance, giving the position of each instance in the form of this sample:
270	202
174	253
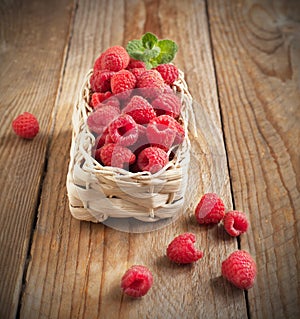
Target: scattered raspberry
169	73
26	125
181	250
122	81
134	64
97	98
152	159
114	59
115	155
137	72
240	269
124	130
137	281
168	104
235	223
160	133
152	80
100	81
140	110
100	118
210	209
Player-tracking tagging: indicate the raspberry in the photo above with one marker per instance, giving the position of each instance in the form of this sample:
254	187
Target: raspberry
115	155
167	103
122	81
98	63
152	159
100	81
140	110
98	98
169	73
137	281
160	133
210	209
114	59
137	72
100	118
240	269
152	80
235	223
181	250
133	64
26	125
102	139
124	130
112	102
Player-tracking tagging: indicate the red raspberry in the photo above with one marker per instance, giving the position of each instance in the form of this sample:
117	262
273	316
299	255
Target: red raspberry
167	103
137	281
26	125
98	63
133	64
181	250
124	130
169	73
240	269
115	155
210	209
140	110
114	59
152	159
100	118
235	223
152	80
102	139
100	81
122	81
160	133
98	98
112	102
137	72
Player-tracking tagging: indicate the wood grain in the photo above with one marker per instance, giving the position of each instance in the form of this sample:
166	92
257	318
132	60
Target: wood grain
257	56
75	267
33	37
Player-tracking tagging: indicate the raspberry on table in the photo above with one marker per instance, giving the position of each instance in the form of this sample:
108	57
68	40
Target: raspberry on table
99	97
100	81
152	80
26	125
115	155
140	110
137	281
169	72
210	209
160	133
114	59
122	81
167	103
235	223
124	130
152	159
240	269
99	120
181	250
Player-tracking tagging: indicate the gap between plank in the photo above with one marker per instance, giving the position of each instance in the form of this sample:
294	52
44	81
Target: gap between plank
224	137
45	166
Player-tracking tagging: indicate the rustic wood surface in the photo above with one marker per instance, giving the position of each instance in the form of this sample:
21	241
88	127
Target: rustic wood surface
242	63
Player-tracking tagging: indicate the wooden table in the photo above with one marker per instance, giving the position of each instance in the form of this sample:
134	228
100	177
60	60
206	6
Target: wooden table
242	63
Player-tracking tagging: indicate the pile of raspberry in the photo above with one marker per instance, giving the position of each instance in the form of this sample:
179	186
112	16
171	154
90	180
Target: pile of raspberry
136	114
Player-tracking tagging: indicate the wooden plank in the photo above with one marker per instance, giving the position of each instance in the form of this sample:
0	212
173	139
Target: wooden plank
76	267
32	42
257	54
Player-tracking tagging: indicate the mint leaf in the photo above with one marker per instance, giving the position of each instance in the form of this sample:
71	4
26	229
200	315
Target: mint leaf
149	40
135	49
168	49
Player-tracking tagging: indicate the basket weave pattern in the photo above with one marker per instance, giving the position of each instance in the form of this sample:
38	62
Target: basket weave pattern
97	192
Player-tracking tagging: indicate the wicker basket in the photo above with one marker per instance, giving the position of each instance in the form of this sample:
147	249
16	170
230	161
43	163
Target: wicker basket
98	192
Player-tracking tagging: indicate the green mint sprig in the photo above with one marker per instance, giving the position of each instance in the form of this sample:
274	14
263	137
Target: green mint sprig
151	50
